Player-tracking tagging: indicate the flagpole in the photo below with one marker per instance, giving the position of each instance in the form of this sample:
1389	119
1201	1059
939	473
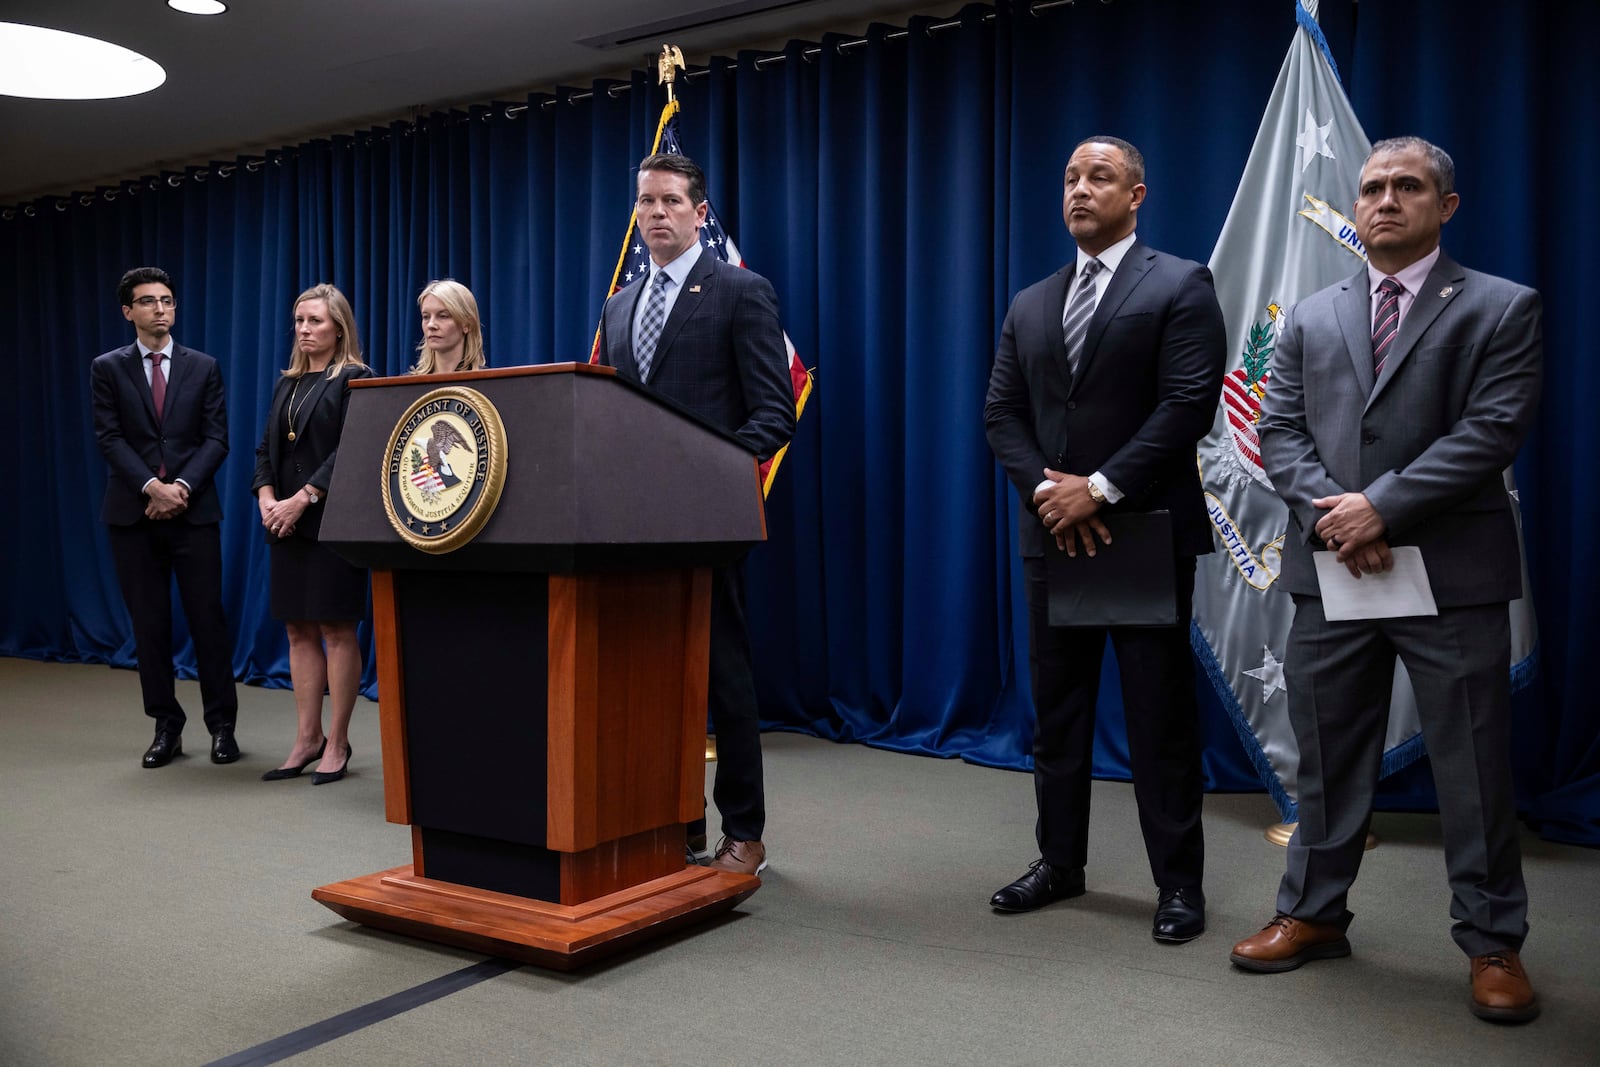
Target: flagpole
668	113
1279	833
1281	241
668	63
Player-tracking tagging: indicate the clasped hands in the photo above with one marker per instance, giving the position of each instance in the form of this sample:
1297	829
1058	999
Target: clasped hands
1069	512
1353	529
167	500
279	516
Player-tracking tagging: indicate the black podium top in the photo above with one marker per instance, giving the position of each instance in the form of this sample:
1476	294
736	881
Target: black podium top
600	475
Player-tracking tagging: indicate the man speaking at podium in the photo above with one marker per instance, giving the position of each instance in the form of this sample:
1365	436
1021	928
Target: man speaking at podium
705	334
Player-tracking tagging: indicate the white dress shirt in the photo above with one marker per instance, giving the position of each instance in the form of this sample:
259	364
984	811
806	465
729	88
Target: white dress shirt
1110	260
678	270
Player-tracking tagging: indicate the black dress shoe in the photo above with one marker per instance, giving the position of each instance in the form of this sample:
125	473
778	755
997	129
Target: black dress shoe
1180	915
1043	884
224	749
162	749
319	778
278	774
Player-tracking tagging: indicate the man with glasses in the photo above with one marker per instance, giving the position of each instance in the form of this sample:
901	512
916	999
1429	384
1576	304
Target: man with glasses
162	425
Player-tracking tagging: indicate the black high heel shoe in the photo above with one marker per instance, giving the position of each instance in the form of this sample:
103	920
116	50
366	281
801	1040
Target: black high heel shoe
319	778
280	773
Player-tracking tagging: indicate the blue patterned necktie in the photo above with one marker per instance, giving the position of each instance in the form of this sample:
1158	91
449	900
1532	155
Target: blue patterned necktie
1075	323
655	317
1385	322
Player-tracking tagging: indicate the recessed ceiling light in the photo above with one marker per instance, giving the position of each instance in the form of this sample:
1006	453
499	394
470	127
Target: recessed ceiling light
198	7
56	65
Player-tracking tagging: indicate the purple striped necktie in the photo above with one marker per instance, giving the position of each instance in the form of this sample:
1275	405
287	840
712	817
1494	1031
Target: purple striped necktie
1385	322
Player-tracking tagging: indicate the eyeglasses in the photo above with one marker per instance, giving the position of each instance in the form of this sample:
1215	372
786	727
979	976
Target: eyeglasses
152	301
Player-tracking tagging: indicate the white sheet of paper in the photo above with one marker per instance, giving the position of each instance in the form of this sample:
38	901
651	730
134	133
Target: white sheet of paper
1394	594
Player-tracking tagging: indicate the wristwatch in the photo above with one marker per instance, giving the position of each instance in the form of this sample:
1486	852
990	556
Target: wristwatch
312	494
1095	494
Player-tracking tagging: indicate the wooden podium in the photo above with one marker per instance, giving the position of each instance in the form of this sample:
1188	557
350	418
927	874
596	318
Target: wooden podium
542	687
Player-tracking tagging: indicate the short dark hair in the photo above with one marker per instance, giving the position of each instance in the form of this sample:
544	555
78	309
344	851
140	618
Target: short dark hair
1134	157
677	164
1442	167
142	276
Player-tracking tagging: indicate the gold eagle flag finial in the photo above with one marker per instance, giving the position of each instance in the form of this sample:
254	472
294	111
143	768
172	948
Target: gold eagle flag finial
667	64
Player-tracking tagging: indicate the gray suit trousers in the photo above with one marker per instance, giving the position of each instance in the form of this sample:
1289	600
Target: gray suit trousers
1340	675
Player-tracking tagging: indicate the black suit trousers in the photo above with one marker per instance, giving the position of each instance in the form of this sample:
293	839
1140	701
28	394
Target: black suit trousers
739	789
1163	727
148	555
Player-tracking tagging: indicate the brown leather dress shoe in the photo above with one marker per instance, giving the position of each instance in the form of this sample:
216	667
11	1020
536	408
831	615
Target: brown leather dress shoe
1285	943
1501	991
740	857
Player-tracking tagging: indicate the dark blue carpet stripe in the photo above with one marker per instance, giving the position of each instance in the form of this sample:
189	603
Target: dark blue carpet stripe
292	1044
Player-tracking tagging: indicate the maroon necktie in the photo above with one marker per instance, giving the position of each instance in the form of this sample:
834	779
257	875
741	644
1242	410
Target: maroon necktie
158	393
1385	322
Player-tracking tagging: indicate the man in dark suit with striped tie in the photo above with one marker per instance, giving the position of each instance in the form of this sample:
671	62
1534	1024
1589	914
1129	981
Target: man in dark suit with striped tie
705	334
1106	377
162	425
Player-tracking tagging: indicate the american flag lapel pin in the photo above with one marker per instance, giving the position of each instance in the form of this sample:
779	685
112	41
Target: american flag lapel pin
694	288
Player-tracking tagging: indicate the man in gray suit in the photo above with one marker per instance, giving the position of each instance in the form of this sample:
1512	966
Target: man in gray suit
1397	398
704	334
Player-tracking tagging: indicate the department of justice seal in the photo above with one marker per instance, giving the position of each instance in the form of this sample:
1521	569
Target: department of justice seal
444	469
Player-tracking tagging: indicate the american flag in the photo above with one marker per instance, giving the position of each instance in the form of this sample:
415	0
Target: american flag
635	262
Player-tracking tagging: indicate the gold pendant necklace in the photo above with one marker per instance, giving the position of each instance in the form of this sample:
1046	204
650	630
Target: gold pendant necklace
292	397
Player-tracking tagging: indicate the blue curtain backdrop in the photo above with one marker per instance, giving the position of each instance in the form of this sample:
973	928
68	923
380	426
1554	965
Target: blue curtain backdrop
897	191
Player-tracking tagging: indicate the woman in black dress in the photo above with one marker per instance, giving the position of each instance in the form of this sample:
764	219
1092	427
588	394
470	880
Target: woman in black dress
319	596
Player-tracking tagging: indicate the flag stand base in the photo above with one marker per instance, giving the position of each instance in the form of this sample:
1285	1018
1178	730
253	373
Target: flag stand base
711	748
1280	832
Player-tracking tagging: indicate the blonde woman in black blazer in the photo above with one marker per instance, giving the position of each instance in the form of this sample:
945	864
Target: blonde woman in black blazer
318	595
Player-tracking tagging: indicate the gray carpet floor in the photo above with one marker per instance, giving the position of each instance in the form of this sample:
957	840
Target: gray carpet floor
165	917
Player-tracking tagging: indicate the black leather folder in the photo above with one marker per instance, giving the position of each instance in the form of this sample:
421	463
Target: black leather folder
1130	582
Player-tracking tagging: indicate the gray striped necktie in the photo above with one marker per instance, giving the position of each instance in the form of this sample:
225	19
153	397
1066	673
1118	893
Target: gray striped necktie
1385	322
655	317
1075	322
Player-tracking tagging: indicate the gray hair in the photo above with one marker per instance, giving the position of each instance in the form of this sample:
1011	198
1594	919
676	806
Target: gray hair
1440	165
